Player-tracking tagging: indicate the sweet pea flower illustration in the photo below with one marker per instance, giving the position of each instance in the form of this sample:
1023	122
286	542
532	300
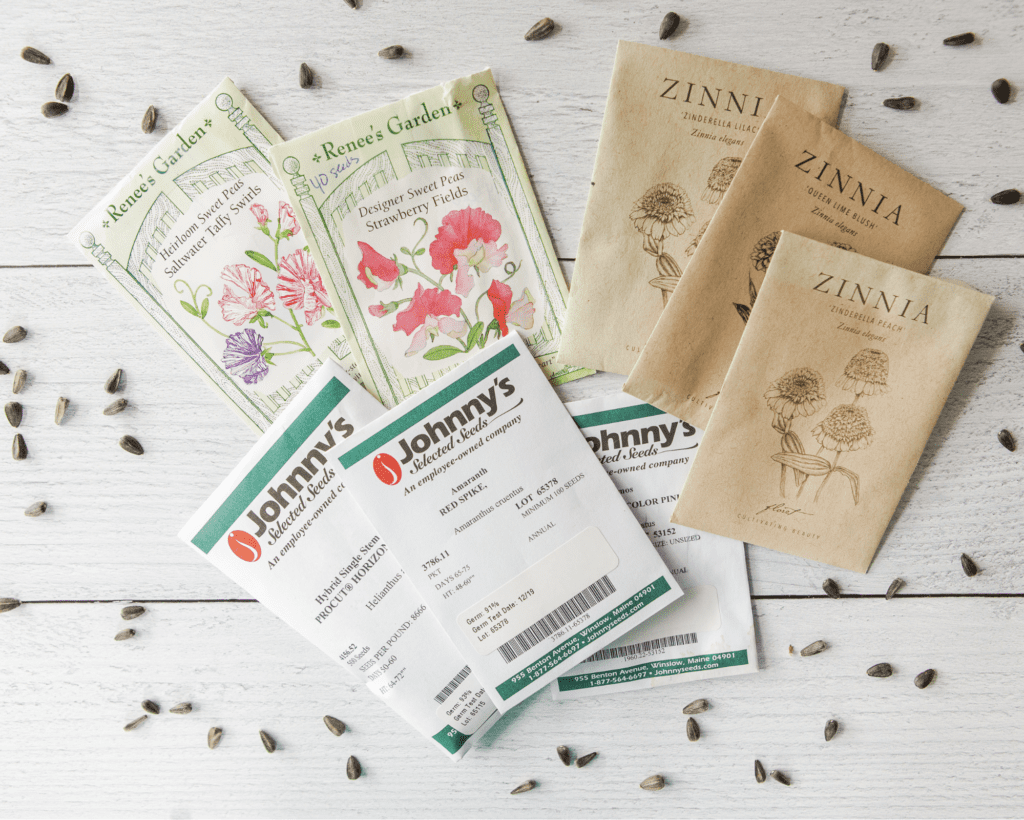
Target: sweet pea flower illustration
664	210
506	312
429	315
467	238
262	216
286	216
377	271
245	294
299	285
383	309
243	356
801	392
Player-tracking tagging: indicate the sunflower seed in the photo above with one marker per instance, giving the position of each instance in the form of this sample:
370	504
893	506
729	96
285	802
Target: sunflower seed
541	30
124	635
268	742
34	55
305	76
1007	440
894	587
759	774
13	411
529	785
1010	196
924	679
148	122
62	408
391	52
65	88
696	707
353	768
54	109
131	445
791	649
880	670
653	783
135	724
19	381
115	407
130	613
813	649
151	707
1001	90
564	755
36	509
4	369
692	730
668	26
19	450
900	103
830	730
583	761
779	776
336	727
180	709
970	568
831	588
879	54
213	737
352	4
114	381
15	334
7	604
959	40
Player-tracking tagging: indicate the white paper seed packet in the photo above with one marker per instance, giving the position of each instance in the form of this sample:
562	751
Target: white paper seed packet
285	528
710	632
506	522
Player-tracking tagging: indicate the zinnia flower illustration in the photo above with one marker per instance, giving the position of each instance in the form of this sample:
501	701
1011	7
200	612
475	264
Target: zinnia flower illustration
243	356
377	271
692	247
764	250
663	211
506	312
721	179
428	316
467	238
261	214
286	216
800	392
299	285
866	373
245	294
846	428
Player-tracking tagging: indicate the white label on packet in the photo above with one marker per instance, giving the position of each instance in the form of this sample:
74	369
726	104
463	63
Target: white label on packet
284	526
710	633
481	482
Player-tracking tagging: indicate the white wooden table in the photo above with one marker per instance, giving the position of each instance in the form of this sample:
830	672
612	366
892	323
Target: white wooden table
66	688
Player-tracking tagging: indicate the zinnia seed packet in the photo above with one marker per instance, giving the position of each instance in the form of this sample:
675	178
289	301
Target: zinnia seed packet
676	128
836	385
423	219
801	175
201	238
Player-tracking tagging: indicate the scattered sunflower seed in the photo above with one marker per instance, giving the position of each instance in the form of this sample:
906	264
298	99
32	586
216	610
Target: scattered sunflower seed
696	707
894	587
391	52
34	55
149	121
336	727
879	54
831	588
924	679
180	709
830	730
305	76
779	776
36	509
813	649
19	381
880	670
759	774
900	103
970	568
529	785
352	4
668	25
1001	90
115	407
135	724
959	40
112	383
213	737
7	604
4	369
692	730
1007	440
541	30
124	635
131	445
19	450
653	783
268	742
13	411
1010	196
54	109
564	755
15	334
353	768
151	707
62	408
583	761
130	613
791	649
65	88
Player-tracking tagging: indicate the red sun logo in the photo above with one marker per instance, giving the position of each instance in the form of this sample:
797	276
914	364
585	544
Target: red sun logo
387	468
244	545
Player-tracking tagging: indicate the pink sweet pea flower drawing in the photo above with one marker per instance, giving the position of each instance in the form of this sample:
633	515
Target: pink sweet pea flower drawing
383	309
261	214
429	315
467	238
289	224
377	271
506	312
300	286
245	294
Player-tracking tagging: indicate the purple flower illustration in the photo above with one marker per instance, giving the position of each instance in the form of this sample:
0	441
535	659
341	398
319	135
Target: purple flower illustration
243	356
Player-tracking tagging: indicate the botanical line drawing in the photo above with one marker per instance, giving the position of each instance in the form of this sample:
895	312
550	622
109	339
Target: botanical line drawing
720	179
663	211
760	258
692	247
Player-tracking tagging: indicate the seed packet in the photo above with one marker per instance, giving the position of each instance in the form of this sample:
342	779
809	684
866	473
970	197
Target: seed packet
423	219
200	237
818	430
676	128
800	175
284	526
710	632
506	522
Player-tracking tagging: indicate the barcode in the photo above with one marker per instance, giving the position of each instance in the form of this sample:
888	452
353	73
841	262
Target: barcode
443	695
557	618
646	646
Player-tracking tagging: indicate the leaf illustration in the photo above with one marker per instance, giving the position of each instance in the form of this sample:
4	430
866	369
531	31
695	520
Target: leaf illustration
259	258
421	251
204	309
753	292
406	251
791	443
330	323
742	310
811	465
854	482
188	308
474	334
440	352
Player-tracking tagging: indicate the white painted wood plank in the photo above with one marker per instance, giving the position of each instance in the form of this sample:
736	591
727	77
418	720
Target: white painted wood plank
951	750
960	139
110	531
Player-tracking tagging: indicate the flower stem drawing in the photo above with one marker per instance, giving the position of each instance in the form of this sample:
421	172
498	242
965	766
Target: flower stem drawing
663	211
